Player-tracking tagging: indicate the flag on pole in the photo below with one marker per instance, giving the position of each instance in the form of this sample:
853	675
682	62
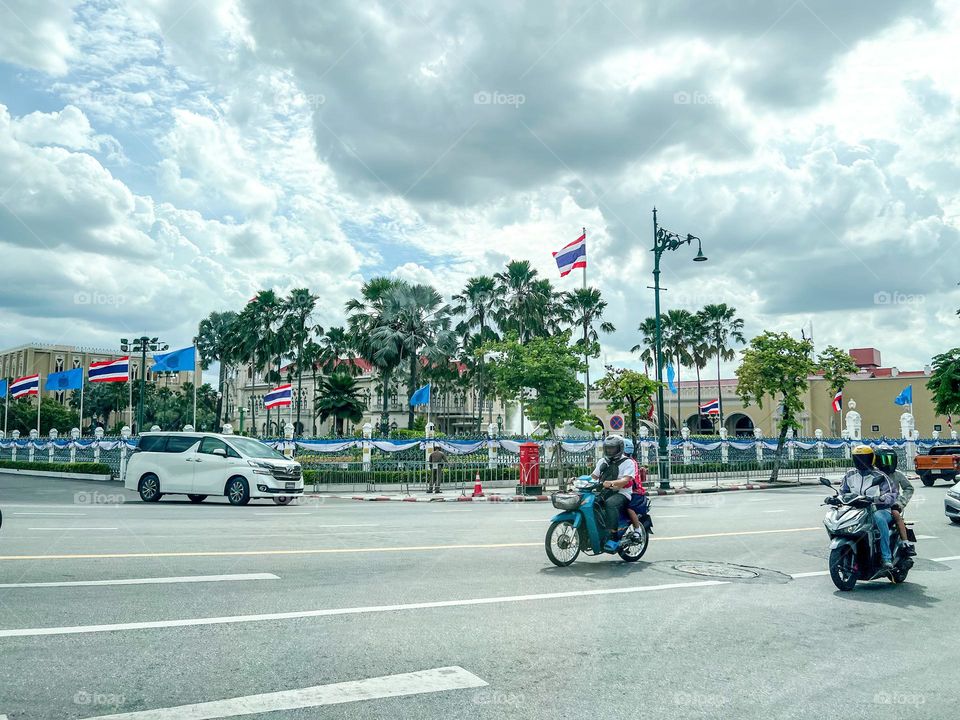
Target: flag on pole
280	396
421	396
710	408
3	388
182	360
838	401
66	380
671	376
572	256
905	397
949	420
27	385
110	370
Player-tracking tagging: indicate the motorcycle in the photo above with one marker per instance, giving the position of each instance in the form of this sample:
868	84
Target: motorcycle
580	527
855	541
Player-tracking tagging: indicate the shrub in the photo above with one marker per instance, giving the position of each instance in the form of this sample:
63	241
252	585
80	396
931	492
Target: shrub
79	467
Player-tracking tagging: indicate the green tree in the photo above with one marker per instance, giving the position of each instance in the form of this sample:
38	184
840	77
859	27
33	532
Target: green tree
724	328
776	365
258	337
527	305
837	366
100	401
298	307
944	382
22	416
476	304
339	397
215	342
627	391
675	345
335	346
698	347
583	308
647	345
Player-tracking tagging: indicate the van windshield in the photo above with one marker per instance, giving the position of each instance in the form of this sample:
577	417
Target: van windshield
255	448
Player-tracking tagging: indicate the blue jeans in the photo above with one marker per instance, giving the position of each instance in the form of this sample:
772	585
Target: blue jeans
881	519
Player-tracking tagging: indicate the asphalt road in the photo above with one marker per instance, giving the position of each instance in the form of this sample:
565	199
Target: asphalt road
340	609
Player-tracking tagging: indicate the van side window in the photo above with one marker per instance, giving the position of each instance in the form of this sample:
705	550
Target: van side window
179	444
209	444
152	443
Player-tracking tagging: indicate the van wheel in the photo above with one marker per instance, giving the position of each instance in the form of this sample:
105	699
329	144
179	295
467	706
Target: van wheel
149	488
197	498
283	500
238	492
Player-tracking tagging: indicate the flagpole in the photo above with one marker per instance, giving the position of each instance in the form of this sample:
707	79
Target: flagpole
429	400
196	364
39	397
586	353
130	398
6	408
81	404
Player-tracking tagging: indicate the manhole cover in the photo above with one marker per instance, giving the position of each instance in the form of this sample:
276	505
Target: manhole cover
717	570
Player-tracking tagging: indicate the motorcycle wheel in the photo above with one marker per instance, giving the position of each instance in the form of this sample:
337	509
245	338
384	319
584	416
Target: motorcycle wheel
841	568
635	550
562	543
898	575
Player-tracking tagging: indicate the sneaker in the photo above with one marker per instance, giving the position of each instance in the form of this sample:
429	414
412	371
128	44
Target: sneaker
611	546
887	565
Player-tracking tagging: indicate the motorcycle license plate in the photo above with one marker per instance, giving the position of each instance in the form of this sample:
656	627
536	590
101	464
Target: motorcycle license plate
291	486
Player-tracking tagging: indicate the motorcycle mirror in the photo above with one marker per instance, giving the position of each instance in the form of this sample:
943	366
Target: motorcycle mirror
825	481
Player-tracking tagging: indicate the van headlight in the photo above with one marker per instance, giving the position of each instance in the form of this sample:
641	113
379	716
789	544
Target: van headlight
260	468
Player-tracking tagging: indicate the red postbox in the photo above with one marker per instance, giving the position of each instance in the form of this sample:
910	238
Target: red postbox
529	470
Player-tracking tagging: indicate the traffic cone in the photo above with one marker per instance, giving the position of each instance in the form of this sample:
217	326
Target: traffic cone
477	488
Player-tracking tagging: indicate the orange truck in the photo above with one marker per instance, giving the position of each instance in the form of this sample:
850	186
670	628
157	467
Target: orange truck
942	461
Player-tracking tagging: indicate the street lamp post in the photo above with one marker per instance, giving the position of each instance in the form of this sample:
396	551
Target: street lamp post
141	345
664	240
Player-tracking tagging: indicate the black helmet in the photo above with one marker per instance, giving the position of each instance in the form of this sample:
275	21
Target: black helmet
863	458
886	460
612	447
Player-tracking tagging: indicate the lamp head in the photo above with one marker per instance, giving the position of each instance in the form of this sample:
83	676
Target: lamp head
700	256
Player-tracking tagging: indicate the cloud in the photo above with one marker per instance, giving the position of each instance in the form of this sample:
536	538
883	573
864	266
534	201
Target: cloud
36	34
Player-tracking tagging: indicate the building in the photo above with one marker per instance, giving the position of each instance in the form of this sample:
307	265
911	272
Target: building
873	389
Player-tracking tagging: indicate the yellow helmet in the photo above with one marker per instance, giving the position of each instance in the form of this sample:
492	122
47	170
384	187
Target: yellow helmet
863	458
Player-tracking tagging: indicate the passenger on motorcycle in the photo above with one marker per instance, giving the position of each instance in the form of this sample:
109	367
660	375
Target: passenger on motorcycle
616	470
887	464
638	495
861	480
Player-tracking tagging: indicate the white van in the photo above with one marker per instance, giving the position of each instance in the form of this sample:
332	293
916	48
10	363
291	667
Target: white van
199	465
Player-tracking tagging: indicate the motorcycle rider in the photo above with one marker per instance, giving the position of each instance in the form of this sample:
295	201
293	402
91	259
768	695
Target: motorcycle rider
865	479
616	470
887	464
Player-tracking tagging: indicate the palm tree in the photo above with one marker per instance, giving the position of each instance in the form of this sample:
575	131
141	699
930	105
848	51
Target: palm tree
339	397
699	348
674	332
582	308
311	357
335	345
647	346
418	322
364	316
477	303
214	343
517	295
259	338
297	308
723	328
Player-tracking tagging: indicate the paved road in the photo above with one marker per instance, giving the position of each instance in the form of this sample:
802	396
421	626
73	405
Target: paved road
109	607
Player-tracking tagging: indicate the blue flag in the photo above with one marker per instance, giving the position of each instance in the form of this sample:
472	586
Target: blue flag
671	375
175	361
421	396
905	397
66	380
3	388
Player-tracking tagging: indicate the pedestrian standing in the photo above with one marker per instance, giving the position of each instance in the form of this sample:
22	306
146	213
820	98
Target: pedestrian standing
436	461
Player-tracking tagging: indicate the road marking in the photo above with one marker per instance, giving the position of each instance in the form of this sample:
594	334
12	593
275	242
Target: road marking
329	612
52	513
362	550
415	683
147	581
946	559
816	573
670	517
61	529
773	511
927	537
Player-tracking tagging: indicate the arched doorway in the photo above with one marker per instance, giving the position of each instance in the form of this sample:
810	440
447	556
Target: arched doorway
707	426
739	425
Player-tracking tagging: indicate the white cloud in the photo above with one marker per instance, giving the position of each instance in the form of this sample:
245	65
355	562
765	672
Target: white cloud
36	34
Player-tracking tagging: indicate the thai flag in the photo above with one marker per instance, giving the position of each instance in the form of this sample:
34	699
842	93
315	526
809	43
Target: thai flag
110	370
710	408
572	256
838	401
29	385
280	396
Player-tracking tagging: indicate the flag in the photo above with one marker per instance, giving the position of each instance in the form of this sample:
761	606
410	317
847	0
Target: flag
175	361
421	396
280	396
838	401
905	397
3	388
110	370
949	420
572	256
650	412
27	385
670	378
710	408
66	380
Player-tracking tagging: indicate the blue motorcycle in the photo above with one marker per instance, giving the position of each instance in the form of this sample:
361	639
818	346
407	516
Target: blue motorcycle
580	527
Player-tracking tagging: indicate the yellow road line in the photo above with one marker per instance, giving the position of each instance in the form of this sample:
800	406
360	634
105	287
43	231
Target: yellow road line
340	551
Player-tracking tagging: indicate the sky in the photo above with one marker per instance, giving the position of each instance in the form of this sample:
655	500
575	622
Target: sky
160	160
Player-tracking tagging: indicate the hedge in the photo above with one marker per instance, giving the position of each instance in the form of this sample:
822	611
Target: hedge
80	467
751	465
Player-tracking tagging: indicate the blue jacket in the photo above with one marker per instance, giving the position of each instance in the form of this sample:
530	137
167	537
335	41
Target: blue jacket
884	493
